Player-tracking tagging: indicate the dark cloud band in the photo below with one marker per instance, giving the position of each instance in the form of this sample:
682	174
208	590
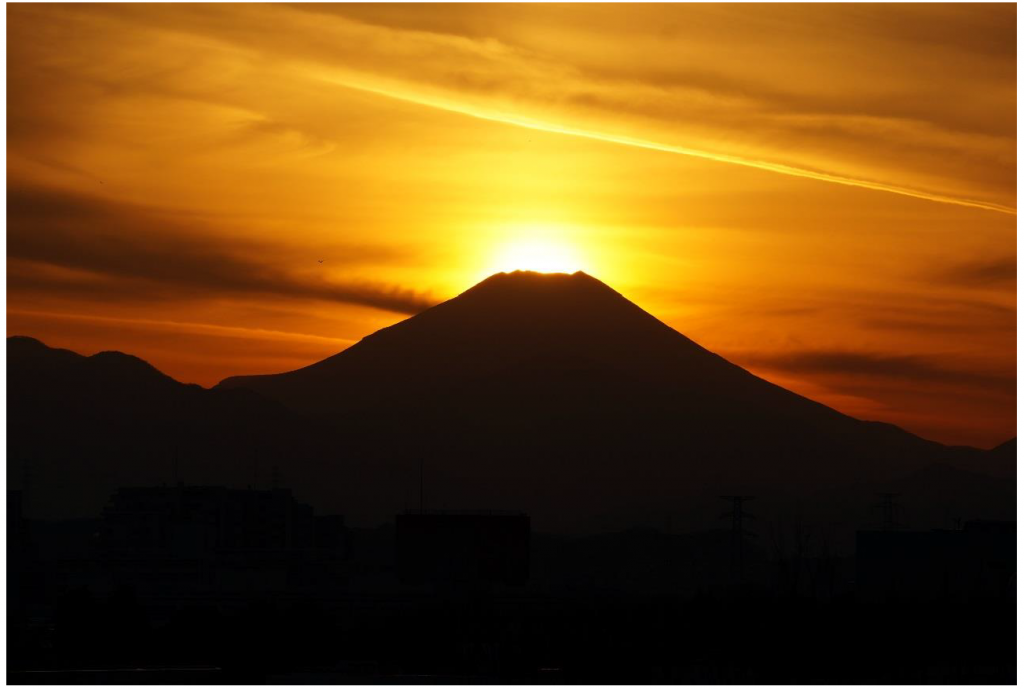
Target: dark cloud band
914	368
111	248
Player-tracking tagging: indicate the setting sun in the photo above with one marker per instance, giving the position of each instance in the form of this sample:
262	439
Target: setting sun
540	255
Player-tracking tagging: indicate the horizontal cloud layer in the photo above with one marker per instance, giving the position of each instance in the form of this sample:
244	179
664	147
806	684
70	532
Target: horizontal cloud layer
907	367
116	250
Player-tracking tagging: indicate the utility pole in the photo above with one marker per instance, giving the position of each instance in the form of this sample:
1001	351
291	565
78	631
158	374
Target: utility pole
738	515
421	485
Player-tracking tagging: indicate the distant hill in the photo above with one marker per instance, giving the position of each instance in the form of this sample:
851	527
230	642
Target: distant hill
1001	460
79	427
551	394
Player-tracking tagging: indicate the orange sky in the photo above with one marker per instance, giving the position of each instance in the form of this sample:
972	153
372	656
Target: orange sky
824	194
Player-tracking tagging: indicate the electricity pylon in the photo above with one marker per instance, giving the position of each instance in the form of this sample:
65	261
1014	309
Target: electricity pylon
738	515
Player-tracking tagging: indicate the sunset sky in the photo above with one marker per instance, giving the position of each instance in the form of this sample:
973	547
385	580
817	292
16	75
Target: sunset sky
823	194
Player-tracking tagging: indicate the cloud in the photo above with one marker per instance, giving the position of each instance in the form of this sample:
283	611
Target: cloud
652	145
913	368
67	243
805	107
788	91
996	272
187	326
940	312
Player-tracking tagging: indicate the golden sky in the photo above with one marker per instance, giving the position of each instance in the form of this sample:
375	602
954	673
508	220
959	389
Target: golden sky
824	194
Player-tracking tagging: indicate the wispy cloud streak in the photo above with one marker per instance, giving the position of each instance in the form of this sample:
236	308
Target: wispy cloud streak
520	121
188	326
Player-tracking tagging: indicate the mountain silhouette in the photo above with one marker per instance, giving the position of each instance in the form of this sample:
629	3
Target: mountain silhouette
557	331
1001	460
555	393
547	393
40	366
79	427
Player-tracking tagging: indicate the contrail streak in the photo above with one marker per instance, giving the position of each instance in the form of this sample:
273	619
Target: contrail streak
519	121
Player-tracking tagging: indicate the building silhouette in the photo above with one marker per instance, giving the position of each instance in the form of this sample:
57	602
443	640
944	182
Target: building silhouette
975	562
215	540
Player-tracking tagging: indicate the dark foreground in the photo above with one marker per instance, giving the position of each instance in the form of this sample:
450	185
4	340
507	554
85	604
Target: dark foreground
607	640
643	607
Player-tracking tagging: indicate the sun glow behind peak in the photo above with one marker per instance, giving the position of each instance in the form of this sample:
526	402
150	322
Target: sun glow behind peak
540	256
536	250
